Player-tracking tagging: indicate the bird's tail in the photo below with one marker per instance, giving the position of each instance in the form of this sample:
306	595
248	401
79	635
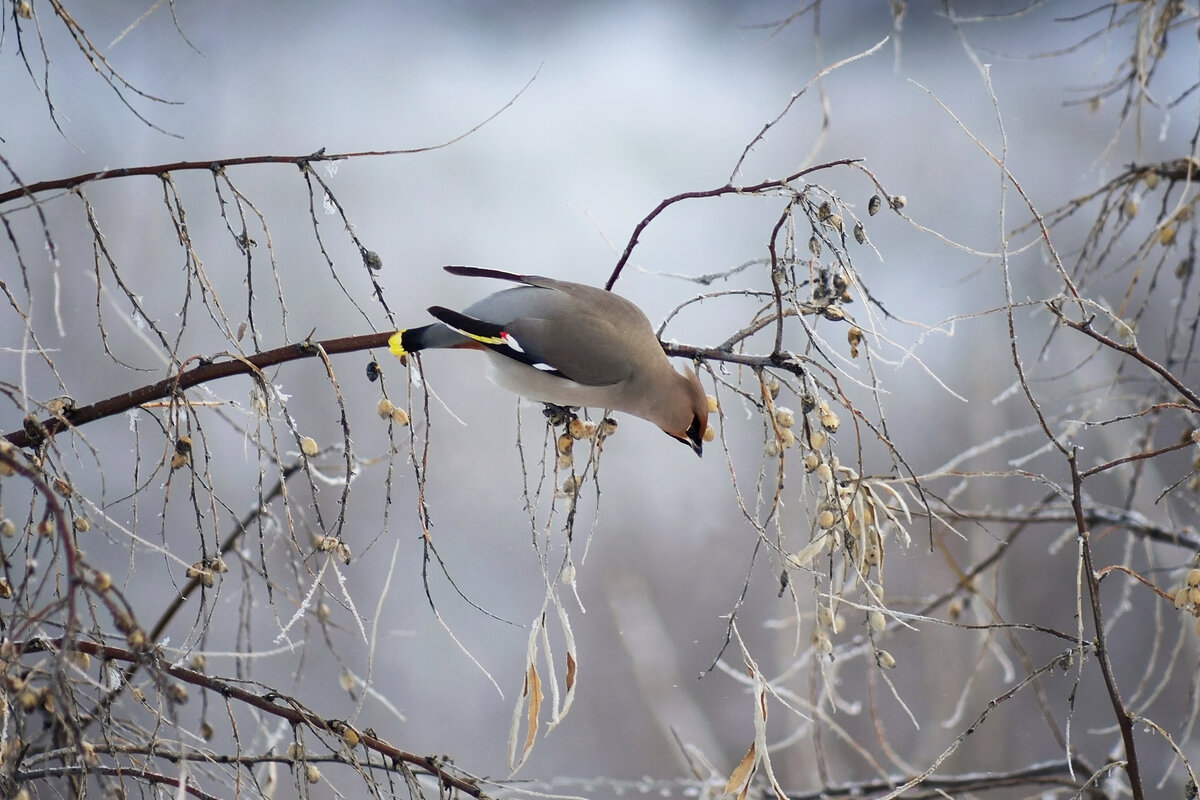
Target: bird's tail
426	337
410	340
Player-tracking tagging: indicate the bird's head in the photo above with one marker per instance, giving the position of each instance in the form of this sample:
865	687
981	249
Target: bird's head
689	415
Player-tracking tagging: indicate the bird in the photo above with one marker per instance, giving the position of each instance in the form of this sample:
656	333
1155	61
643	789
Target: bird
571	345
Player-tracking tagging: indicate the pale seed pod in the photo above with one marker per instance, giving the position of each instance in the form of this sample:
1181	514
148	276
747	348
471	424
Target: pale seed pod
784	417
814	247
183	452
897	202
709	434
860	233
816	439
400	417
7	528
177	692
877	619
1166	235
824	473
1151	180
346	681
295	751
824	211
787	438
885	659
321	612
712	402
1130	208
835	221
607	427
825	616
136	639
570	485
873	205
826	519
565	461
6	590
564	444
350	736
772	449
1181	598
62	487
218	565
206	731
1193	578
1194	595
384	408
829	421
81	524
580	429
102	582
309	446
833	313
311	773
871	556
811	462
343	552
197	662
854	339
822	643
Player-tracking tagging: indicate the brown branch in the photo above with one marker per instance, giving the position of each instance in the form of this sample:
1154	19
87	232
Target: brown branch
1048	774
1130	350
217	165
729	188
80	770
35	432
1124	719
291	710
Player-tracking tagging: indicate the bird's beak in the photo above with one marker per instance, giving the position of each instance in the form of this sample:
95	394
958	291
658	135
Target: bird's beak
694	438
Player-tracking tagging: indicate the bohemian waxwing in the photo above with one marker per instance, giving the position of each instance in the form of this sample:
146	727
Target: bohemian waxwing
569	345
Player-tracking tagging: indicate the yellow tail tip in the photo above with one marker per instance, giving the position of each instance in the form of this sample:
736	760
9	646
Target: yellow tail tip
396	344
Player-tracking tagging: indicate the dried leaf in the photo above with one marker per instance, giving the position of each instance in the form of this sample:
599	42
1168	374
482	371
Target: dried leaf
739	779
807	553
570	677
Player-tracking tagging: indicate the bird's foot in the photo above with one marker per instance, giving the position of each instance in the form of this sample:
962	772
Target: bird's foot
559	415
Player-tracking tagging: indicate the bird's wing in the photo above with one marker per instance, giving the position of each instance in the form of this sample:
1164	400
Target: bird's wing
550	330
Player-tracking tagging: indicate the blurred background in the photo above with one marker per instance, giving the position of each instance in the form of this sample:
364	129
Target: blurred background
608	108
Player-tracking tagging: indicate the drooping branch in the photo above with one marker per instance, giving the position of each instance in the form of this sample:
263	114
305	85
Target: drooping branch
35	431
291	709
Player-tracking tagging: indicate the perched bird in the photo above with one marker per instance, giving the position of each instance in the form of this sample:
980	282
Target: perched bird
569	345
